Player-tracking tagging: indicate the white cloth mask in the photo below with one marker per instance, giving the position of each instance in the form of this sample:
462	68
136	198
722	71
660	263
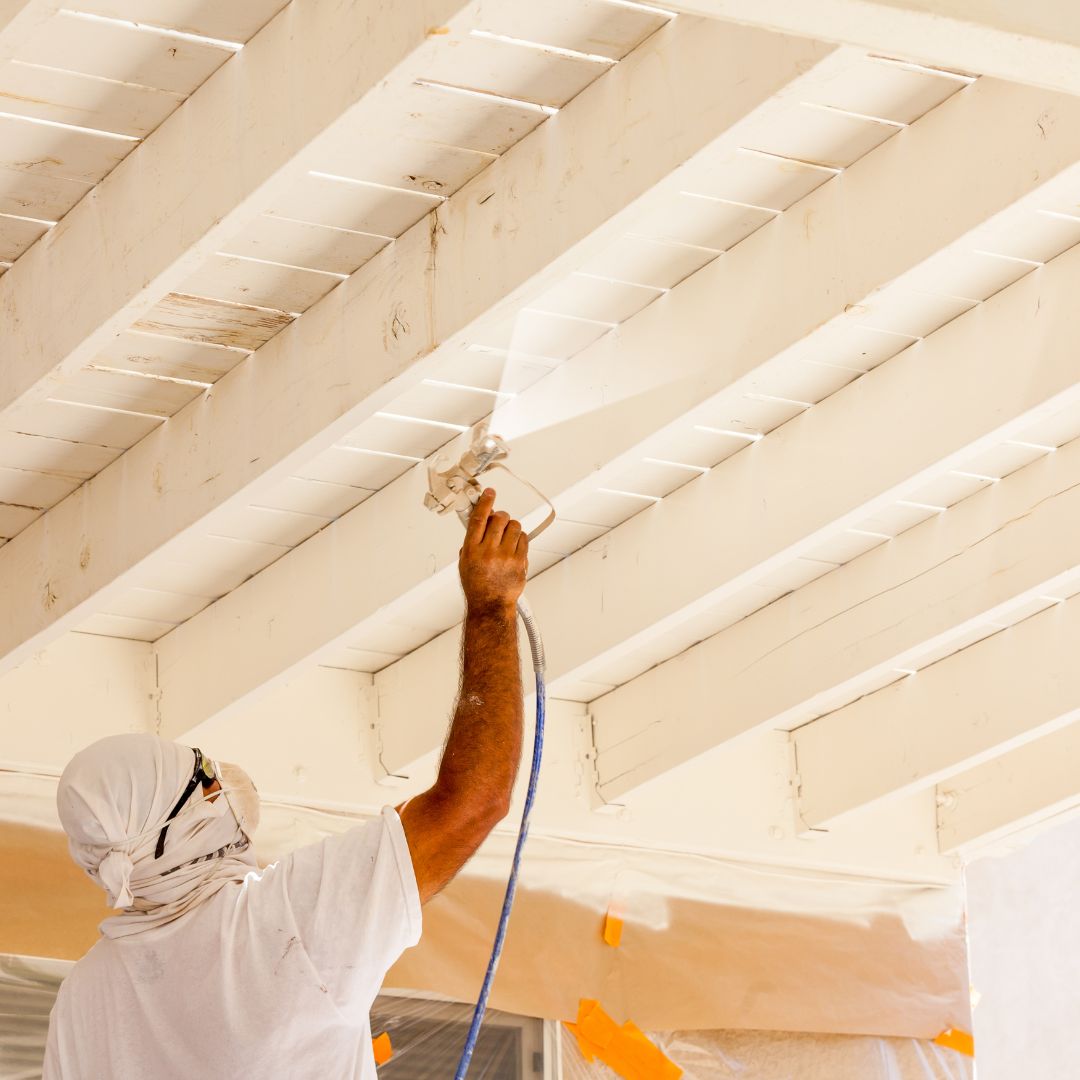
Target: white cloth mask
114	798
242	796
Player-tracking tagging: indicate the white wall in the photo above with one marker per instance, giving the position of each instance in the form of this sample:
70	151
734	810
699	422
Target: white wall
1024	934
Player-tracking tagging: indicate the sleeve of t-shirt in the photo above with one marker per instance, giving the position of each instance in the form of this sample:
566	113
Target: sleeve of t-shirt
356	906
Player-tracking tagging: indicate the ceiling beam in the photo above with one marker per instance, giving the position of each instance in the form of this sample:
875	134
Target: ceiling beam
1033	785
258	123
897	607
81	688
814	277
989	698
403	312
330	760
19	18
1036	43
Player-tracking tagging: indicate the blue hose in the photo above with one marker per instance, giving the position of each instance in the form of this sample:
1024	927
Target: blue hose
511	885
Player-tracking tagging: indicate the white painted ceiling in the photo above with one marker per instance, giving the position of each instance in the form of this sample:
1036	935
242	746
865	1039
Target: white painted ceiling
783	327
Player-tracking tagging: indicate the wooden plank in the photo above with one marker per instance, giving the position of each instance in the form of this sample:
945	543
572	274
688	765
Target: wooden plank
263	525
208	565
484	125
173	358
949	718
353	205
67	97
156	605
324	499
344	465
125	392
123	626
900	606
123	53
822	137
15	518
1036	45
17	234
34	490
82	424
227	22
516	71
429	168
886	90
298	243
20	19
1034	783
77	460
59	153
33	195
588	26
688	220
200	319
242	281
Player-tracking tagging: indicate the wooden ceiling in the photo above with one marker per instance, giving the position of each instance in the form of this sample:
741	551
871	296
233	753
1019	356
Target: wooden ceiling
783	324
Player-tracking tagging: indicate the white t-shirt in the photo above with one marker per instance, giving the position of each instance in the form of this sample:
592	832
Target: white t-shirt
271	979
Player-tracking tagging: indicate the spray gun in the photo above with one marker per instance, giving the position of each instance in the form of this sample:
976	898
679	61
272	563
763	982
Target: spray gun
454	487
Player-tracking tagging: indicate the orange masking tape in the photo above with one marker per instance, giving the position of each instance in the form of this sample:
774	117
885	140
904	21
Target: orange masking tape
954	1039
627	1049
613	930
382	1049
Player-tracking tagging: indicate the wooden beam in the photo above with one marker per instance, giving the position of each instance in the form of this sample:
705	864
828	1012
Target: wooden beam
1036	43
19	18
809	285
118	253
331	760
1034	785
79	689
822	646
989	698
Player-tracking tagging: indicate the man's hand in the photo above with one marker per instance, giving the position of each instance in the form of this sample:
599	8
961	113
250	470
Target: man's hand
494	558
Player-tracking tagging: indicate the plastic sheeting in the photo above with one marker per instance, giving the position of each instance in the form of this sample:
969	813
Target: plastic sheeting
426	1037
708	943
28	988
768	1055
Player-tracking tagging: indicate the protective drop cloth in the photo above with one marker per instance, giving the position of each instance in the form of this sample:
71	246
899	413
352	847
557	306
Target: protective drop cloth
426	1037
707	943
773	1055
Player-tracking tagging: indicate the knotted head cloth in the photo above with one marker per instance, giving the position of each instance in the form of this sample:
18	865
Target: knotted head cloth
114	798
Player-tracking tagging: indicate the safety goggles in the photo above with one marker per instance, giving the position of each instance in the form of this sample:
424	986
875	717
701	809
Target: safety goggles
204	774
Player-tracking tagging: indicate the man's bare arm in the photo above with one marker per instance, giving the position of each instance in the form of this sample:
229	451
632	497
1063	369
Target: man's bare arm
471	795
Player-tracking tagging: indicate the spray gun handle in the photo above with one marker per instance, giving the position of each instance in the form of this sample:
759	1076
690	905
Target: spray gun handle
472	493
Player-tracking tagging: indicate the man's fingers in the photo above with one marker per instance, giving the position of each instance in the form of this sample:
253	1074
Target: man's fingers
479	518
511	535
522	548
496	526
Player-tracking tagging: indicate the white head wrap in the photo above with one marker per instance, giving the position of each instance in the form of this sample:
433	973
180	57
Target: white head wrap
114	798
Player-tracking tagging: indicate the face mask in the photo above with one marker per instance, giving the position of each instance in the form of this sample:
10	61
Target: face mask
240	794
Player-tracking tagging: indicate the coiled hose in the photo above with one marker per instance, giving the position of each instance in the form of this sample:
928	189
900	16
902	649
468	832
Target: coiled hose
536	646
